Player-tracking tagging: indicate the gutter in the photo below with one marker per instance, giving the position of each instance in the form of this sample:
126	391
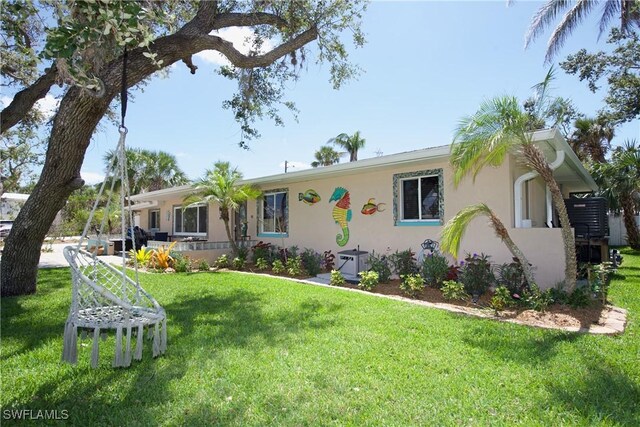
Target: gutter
518	190
143	205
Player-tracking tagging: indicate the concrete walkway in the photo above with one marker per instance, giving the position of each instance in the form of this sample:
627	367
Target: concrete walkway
55	258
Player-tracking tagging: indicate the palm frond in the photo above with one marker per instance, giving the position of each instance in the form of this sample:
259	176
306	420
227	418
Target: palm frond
485	137
543	17
609	10
570	20
455	228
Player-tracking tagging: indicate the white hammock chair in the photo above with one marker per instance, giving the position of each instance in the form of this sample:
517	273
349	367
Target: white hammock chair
104	297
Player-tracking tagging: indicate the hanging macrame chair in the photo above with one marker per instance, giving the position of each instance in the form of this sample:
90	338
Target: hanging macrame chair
104	297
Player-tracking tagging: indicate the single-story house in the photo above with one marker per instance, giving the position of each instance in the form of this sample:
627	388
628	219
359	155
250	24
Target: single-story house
384	204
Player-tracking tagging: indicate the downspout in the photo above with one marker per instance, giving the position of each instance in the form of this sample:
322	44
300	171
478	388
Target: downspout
518	190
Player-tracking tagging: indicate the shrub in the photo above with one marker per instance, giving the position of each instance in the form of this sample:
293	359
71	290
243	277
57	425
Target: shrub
294	266
501	299
599	278
222	261
579	298
452	290
142	256
237	263
311	261
403	263
278	267
368	280
511	276
380	264
203	265
328	261
411	284
262	264
452	273
537	300
336	278
265	251
558	294
182	264
161	257
243	253
476	275
434	269
287	253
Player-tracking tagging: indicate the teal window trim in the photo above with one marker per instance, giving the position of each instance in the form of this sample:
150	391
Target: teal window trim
275	235
422	223
397	194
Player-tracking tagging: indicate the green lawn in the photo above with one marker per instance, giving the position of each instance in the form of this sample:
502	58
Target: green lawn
247	350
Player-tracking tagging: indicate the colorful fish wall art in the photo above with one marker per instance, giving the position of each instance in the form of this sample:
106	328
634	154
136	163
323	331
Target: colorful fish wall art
310	197
371	207
341	213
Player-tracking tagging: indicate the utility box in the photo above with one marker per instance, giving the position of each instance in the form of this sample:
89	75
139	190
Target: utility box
352	262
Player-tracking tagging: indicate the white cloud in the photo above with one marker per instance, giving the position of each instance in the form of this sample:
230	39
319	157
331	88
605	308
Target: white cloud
48	106
295	166
241	38
181	154
92	178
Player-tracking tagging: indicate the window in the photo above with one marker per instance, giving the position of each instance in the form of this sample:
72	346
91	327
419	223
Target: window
275	213
154	219
418	198
192	220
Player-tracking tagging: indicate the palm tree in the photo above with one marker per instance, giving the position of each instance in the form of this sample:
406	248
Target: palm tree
220	185
350	143
455	228
150	170
627	10
326	156
619	181
161	170
499	126
135	167
591	139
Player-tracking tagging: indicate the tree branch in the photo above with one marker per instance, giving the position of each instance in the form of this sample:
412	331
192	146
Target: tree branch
26	98
248	20
238	59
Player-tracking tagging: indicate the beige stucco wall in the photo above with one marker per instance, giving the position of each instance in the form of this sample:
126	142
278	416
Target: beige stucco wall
314	227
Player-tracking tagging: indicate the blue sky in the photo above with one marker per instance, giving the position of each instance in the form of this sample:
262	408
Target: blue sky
426	64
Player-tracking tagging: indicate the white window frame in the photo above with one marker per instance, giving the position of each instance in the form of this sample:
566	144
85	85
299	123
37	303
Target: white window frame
186	233
261	232
416	178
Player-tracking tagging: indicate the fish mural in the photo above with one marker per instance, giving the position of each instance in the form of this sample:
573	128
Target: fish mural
371	207
310	197
341	213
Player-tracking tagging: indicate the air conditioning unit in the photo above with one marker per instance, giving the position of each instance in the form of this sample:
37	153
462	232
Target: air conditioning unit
352	262
588	216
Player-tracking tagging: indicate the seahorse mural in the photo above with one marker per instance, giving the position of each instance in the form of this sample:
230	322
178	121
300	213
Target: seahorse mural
341	213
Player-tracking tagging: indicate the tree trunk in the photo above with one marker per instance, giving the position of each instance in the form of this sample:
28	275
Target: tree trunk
503	234
628	216
73	126
535	159
224	214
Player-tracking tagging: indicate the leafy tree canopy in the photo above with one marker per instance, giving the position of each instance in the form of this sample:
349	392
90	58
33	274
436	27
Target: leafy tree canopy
74	42
621	70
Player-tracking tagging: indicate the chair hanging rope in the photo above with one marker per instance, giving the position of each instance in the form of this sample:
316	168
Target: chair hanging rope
105	297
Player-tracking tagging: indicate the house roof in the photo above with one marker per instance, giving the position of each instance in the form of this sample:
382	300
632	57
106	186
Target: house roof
549	141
